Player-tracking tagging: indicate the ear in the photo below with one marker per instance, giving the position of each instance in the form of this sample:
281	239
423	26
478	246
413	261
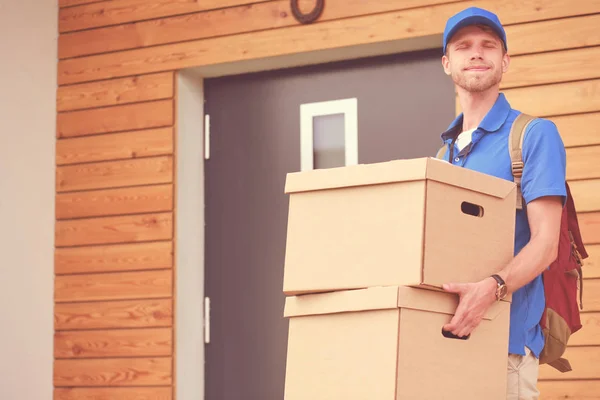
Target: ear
446	65
505	62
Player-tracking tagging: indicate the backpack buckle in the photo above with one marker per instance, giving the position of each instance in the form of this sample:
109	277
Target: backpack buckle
517	168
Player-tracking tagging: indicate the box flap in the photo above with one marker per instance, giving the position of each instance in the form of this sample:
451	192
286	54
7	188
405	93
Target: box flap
356	175
398	171
444	172
376	298
438	301
379	298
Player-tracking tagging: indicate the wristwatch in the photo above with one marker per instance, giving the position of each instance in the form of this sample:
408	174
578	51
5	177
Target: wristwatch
501	290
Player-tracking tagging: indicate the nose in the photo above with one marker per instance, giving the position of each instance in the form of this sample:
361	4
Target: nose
476	55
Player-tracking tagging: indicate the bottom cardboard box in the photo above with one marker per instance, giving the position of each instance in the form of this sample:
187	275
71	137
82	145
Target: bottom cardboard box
386	343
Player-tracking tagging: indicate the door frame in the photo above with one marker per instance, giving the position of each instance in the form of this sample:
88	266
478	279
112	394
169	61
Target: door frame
188	304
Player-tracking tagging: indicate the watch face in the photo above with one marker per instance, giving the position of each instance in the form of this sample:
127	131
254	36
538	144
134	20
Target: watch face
502	291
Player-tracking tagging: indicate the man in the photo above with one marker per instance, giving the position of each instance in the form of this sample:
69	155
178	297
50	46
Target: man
475	56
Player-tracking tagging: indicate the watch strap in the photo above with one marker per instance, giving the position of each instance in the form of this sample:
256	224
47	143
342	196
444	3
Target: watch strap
499	280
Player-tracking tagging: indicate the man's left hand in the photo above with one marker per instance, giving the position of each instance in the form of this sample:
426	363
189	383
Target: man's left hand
475	300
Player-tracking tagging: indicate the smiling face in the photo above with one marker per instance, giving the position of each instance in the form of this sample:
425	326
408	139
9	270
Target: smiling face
476	59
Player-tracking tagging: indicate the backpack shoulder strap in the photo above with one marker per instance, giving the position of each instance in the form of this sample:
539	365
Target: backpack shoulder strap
515	141
442	152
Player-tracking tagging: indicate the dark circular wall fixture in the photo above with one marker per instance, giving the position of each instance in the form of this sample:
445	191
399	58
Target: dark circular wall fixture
311	16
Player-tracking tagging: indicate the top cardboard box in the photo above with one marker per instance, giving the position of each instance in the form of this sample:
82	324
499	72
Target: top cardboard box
418	222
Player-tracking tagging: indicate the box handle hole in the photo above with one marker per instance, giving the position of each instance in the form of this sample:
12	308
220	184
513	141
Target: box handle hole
450	335
471	209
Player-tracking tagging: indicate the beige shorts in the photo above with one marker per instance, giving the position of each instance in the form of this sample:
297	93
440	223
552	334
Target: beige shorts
522	377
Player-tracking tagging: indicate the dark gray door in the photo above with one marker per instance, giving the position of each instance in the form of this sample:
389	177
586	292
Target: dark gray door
404	103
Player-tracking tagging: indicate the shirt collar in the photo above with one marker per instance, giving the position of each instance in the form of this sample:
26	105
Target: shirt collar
492	122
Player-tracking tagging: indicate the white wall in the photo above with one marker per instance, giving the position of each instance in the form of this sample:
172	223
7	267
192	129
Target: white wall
28	35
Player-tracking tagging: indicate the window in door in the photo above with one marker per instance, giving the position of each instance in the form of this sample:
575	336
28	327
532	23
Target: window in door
329	134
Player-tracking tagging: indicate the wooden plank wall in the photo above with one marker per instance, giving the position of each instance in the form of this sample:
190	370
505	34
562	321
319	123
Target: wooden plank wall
115	179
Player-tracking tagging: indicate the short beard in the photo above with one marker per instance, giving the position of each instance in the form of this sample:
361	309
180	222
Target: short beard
476	84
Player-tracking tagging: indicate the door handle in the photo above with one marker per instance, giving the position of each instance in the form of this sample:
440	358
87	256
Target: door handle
207	320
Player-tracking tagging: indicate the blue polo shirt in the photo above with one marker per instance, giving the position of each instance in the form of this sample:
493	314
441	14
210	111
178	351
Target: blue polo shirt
543	175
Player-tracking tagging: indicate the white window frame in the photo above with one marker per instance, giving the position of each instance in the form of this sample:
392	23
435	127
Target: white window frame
348	107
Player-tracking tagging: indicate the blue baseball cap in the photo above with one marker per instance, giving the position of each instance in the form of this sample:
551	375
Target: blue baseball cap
473	16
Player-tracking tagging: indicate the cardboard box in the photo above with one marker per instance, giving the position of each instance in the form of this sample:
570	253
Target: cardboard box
387	344
406	222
